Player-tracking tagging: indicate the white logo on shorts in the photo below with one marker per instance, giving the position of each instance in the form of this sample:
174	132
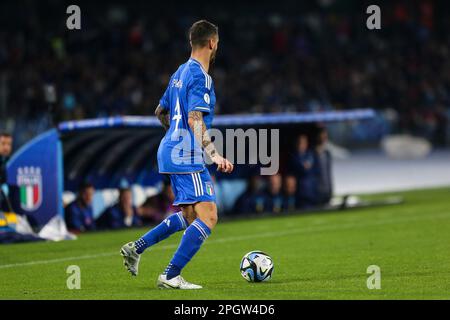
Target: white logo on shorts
206	97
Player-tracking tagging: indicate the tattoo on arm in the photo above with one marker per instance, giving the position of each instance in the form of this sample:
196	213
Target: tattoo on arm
198	127
163	116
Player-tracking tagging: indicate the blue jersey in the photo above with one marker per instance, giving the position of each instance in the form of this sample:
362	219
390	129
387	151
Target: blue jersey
190	89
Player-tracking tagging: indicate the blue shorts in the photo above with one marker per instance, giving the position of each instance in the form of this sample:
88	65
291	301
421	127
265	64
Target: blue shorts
190	188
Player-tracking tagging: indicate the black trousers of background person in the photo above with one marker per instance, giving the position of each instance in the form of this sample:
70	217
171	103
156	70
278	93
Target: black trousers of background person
3	201
15	237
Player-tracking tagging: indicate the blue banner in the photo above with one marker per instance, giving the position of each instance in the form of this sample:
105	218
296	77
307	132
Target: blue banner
35	179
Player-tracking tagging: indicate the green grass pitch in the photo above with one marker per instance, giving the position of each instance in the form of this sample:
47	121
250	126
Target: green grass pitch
316	256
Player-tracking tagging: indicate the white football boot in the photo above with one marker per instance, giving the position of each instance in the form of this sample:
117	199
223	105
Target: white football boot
130	258
175	283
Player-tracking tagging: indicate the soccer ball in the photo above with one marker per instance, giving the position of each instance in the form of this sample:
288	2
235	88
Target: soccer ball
256	266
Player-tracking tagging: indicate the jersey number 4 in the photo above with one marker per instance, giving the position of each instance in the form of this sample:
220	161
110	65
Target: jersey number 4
177	115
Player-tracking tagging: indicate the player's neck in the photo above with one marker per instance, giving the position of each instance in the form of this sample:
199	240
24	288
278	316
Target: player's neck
202	58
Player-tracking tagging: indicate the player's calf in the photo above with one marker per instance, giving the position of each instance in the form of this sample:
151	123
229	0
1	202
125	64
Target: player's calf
174	223
193	238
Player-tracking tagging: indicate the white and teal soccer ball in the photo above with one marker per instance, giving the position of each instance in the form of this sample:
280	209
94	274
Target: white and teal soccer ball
256	266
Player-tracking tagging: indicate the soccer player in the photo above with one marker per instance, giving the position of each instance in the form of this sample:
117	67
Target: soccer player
186	111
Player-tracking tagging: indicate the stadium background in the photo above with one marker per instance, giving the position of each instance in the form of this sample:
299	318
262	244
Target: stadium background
293	57
289	57
315	55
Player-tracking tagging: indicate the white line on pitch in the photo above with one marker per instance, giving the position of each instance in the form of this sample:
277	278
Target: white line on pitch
247	237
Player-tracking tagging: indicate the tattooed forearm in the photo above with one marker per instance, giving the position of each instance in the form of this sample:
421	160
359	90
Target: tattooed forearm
163	116
198	127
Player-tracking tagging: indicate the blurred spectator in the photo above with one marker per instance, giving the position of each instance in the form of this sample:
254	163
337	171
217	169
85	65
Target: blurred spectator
157	207
79	214
273	197
301	165
121	215
322	169
252	200
290	197
6	143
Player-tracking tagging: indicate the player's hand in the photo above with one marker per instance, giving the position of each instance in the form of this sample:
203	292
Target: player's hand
223	164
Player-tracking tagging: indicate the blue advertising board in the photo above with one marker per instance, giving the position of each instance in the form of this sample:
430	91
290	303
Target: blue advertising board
35	179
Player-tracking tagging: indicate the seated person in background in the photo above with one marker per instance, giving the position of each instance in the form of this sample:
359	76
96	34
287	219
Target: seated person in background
273	197
79	214
121	215
322	169
5	152
252	200
157	207
302	165
290	200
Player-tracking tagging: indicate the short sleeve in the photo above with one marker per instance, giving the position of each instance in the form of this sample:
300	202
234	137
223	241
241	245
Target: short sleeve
164	101
199	95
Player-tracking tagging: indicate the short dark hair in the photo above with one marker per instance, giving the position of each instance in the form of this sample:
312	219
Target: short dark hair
5	134
84	186
201	31
122	190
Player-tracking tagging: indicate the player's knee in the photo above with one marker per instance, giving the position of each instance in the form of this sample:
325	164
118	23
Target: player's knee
213	219
207	212
210	221
210	218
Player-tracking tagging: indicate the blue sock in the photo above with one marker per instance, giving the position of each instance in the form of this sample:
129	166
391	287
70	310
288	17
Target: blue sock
192	240
171	224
